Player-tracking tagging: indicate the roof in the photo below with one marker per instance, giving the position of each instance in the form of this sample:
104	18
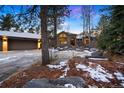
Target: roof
68	33
20	34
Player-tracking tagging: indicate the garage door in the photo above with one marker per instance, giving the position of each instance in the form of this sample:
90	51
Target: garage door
17	44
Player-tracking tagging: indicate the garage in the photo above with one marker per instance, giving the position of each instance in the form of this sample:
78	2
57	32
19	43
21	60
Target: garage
22	44
10	41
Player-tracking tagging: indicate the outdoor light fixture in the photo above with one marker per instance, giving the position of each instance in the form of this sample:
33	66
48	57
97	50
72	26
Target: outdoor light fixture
5	44
39	44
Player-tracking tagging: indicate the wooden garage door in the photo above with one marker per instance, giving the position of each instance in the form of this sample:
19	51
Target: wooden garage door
17	44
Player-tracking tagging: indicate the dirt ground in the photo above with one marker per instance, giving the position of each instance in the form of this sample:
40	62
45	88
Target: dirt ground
37	71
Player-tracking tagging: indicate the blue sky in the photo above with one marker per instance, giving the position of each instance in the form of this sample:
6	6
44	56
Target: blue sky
73	23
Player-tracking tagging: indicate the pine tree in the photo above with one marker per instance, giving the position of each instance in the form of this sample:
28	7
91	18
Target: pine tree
57	14
7	22
112	37
117	29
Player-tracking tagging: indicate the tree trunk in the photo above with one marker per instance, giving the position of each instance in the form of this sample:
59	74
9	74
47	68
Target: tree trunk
55	32
45	51
55	26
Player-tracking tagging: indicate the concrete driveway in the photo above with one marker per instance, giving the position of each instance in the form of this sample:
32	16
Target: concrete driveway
17	60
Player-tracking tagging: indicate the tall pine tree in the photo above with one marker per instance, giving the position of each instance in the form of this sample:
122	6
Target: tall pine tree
113	35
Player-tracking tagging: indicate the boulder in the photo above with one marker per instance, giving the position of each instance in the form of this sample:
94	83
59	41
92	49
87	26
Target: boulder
78	82
67	82
39	83
97	54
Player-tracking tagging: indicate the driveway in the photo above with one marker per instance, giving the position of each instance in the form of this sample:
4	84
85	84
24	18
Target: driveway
17	60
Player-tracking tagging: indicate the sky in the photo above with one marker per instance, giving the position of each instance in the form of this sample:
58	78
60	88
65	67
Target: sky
72	24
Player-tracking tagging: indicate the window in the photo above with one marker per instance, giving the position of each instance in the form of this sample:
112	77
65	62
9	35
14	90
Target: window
63	39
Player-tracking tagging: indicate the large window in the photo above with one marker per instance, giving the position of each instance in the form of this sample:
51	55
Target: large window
63	38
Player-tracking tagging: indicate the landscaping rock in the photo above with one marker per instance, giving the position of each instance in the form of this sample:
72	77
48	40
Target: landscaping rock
97	54
40	83
68	82
78	82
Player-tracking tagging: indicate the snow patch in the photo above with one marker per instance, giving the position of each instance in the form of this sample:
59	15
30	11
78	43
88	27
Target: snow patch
69	86
122	84
58	66
65	72
98	58
53	50
21	35
7	58
120	63
98	73
119	75
86	51
94	86
70	53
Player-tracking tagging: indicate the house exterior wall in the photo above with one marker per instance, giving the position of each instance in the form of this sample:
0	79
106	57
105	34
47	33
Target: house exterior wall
22	44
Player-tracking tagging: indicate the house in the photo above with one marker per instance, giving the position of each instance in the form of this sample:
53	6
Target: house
77	40
19	41
27	41
66	39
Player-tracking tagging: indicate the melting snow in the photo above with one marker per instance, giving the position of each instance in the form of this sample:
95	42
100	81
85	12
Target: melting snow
89	53
65	72
98	73
122	83
120	63
53	50
120	77
98	58
7	58
70	53
94	86
69	86
58	66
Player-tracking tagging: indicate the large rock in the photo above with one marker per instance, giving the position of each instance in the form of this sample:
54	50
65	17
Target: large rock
78	82
69	82
39	83
97	54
